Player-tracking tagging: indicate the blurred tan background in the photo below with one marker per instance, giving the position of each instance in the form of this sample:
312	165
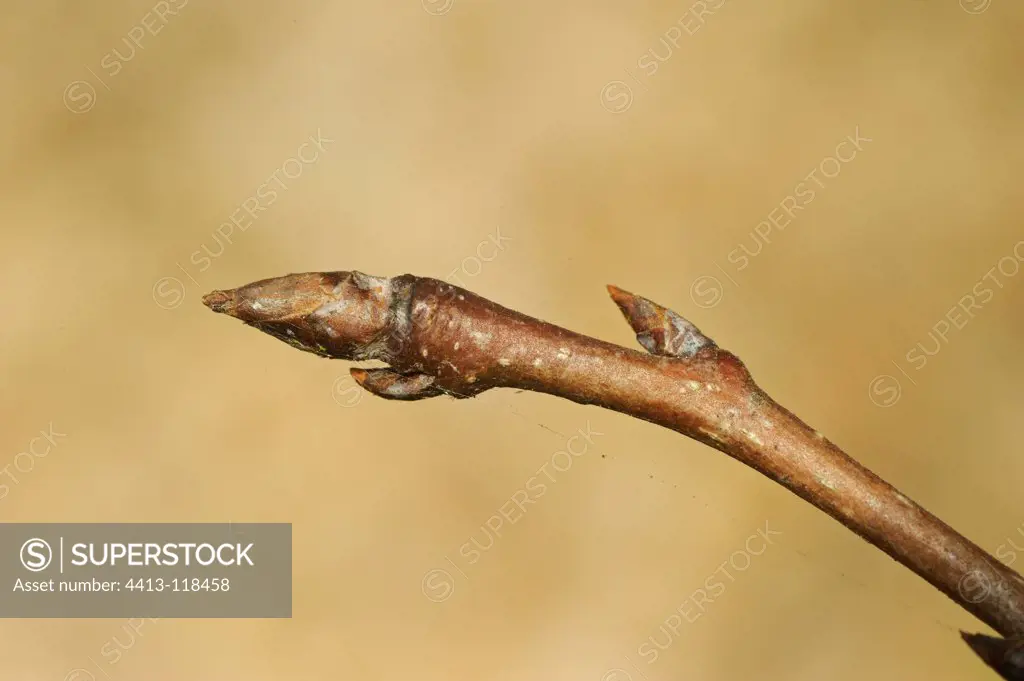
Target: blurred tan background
544	122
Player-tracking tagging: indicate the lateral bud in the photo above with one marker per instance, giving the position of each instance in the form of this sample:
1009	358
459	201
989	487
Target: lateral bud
391	385
660	330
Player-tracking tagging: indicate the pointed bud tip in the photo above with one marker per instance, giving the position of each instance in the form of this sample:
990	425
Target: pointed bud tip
614	291
219	301
632	305
1005	656
624	299
988	648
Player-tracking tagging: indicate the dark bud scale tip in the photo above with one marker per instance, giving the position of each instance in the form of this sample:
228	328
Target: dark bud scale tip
1006	656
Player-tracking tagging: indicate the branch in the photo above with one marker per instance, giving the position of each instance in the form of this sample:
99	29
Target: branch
443	340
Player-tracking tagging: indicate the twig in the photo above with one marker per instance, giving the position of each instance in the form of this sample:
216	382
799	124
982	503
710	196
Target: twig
440	339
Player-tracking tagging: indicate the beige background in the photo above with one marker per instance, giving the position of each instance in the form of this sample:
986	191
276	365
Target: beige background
448	126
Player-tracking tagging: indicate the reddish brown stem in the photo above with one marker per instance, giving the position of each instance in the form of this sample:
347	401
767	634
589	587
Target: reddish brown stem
440	339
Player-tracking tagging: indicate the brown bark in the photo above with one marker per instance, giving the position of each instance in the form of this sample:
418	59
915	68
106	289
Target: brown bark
443	340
